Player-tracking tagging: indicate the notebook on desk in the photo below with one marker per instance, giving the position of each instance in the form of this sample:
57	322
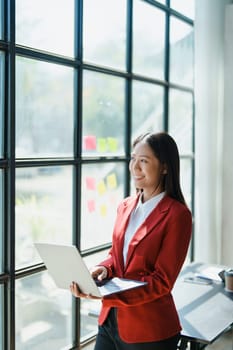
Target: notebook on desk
65	264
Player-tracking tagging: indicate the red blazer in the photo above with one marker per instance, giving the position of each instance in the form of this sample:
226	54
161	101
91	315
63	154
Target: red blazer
156	254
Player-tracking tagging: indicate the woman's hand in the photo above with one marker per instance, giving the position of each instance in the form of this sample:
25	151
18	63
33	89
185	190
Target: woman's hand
74	288
99	272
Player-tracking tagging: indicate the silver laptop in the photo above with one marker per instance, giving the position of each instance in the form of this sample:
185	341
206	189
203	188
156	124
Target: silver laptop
65	264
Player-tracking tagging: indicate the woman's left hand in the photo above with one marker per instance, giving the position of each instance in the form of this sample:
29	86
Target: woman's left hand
74	288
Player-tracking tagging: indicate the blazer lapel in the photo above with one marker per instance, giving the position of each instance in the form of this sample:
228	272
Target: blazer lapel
151	221
121	226
123	218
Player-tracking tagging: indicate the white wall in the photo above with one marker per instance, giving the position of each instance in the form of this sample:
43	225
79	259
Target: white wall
210	131
227	184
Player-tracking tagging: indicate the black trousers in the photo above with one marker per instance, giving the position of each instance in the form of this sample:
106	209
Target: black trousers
108	338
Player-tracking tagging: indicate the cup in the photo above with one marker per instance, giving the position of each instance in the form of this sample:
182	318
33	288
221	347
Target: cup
229	280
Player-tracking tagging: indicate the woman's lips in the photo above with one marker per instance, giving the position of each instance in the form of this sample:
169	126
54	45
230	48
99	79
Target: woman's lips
137	178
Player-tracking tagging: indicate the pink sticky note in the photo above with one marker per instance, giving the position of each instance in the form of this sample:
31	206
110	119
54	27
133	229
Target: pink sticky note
89	143
90	183
91	205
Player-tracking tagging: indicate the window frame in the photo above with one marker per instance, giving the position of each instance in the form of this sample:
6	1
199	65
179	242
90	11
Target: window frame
9	163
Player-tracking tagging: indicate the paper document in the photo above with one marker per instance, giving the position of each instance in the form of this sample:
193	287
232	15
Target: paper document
65	264
211	272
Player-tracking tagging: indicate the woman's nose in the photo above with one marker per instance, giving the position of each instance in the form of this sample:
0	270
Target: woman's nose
136	164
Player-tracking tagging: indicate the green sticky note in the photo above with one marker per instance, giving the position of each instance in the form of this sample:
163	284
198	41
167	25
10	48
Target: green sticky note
102	144
112	144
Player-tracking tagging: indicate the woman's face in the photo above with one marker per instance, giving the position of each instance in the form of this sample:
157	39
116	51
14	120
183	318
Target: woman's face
146	170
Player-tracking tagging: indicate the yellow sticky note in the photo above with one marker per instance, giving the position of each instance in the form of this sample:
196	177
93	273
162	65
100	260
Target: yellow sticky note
112	144
103	210
101	187
101	144
112	181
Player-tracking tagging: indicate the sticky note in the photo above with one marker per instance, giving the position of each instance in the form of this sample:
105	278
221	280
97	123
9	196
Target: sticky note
89	143
101	144
112	181
91	205
103	210
101	187
90	183
112	144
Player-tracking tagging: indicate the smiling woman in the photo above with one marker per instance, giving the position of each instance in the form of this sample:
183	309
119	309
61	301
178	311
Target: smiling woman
150	226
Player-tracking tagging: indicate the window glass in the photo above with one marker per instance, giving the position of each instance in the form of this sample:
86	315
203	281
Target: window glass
102	191
183	6
43	209
1	317
90	308
148	40
44	109
1	221
147	108
103	114
104	32
46	25
181	119
181	52
1	99
186	179
43	314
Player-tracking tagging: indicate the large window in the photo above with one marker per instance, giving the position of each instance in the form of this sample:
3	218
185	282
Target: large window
103	124
1	317
42	314
79	80
44	109
148	50
2	94
42	213
46	25
104	33
1	220
2	166
1	18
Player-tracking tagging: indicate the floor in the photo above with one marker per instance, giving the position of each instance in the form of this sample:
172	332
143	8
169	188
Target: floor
223	343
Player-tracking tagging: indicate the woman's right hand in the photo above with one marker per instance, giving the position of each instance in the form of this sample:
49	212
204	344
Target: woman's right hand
99	272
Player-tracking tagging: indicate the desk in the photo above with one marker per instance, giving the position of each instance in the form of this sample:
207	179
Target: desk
205	311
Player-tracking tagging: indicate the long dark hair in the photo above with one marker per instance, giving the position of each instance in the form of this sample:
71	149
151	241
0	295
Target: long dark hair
165	149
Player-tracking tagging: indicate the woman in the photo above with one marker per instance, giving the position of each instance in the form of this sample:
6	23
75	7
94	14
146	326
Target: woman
150	242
